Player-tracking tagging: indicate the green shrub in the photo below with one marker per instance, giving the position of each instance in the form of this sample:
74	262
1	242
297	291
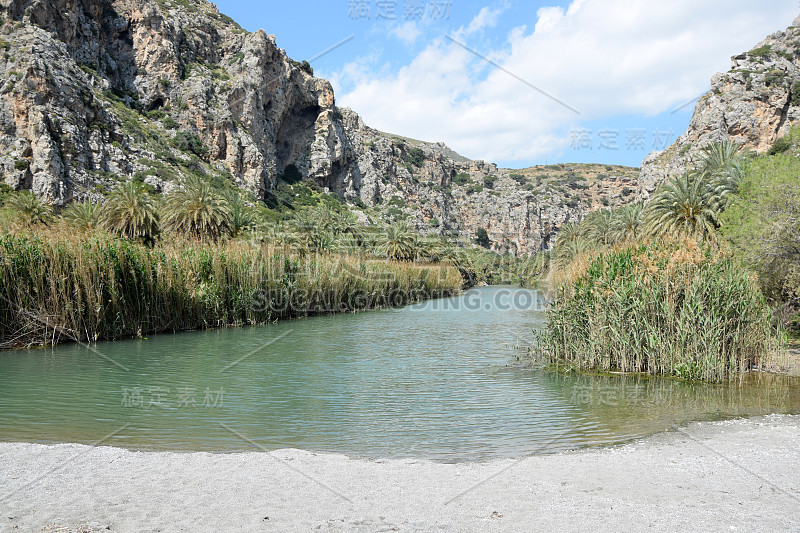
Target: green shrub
21	164
774	77
762	225
761	51
482	238
668	308
795	94
415	157
780	145
170	123
462	178
189	142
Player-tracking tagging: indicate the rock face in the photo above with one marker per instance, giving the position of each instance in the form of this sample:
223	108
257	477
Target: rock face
94	92
754	103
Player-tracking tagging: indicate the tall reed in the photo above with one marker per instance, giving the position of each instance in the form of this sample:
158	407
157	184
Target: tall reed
55	287
668	308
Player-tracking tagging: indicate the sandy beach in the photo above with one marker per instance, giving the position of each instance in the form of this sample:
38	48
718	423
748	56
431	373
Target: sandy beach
741	475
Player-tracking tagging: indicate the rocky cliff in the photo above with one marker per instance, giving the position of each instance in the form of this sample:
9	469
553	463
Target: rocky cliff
94	92
754	103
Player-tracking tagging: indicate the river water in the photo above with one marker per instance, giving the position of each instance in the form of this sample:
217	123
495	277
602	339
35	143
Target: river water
440	380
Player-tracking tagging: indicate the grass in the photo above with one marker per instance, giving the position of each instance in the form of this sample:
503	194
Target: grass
670	308
57	287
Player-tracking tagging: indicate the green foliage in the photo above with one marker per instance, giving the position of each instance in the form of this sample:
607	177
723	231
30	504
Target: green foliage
780	145
396	201
683	206
518	178
398	242
5	192
100	287
131	213
190	143
670	308
482	238
795	94
414	157
627	222
761	51
775	77
242	216
170	123
462	178
763	226
198	210
29	208
83	216
21	164
305	66
489	182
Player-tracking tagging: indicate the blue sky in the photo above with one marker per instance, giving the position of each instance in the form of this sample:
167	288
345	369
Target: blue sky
521	82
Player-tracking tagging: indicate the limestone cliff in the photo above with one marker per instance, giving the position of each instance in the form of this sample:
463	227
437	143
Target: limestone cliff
94	92
755	102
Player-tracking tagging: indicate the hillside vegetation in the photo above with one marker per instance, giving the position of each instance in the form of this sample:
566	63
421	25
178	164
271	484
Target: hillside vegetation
699	283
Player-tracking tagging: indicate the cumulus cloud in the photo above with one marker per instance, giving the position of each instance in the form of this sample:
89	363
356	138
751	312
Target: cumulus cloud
408	32
604	58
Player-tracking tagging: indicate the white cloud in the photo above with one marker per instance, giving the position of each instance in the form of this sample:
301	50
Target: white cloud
605	58
486	18
407	32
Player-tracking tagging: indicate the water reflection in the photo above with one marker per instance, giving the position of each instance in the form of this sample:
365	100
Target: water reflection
434	380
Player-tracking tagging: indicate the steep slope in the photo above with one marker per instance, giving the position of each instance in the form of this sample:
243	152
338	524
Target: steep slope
755	102
89	85
95	92
441	192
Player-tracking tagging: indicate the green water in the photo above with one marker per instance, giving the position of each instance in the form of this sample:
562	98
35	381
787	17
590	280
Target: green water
438	380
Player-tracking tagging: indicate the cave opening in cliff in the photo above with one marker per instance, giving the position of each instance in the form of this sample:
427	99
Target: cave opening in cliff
295	136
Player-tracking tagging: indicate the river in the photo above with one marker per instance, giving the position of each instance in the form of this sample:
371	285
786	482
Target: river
441	380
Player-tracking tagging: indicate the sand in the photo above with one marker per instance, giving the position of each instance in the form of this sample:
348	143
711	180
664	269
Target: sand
741	475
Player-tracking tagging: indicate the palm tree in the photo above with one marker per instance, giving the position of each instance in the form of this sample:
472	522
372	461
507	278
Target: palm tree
346	244
570	250
398	242
197	209
569	232
83	216
598	227
32	210
429	249
321	241
722	166
346	223
242	218
626	222
131	212
719	156
683	206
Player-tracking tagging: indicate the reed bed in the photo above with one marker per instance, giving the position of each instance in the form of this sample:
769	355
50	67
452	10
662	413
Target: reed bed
669	308
56	287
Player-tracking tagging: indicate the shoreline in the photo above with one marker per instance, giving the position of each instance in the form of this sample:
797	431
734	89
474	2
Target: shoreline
7	348
736	475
